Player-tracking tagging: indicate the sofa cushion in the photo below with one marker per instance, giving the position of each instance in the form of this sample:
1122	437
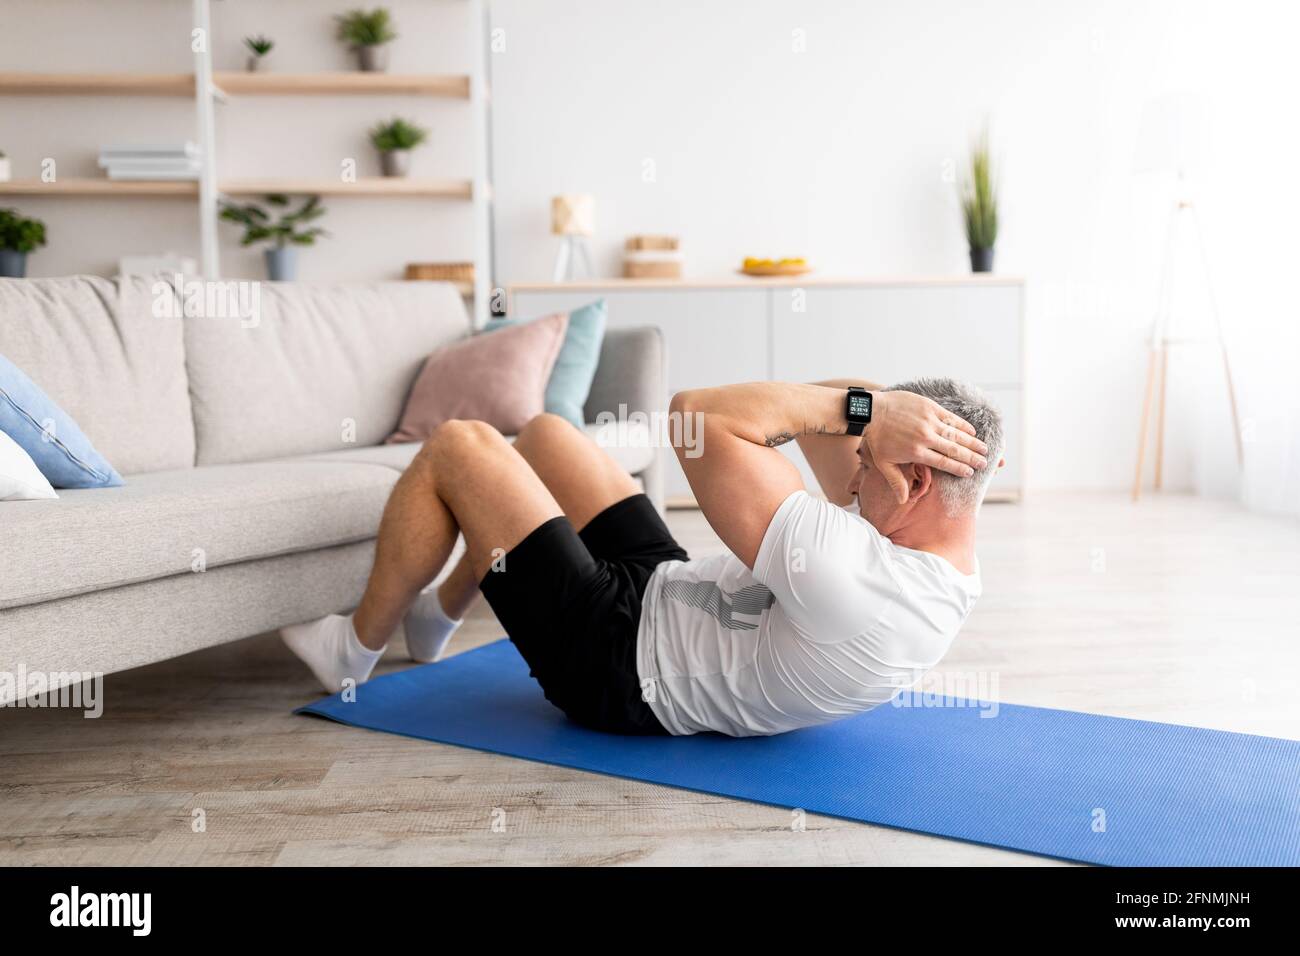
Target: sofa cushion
98	350
48	435
151	621
499	379
322	367
20	479
174	522
575	368
396	457
627	444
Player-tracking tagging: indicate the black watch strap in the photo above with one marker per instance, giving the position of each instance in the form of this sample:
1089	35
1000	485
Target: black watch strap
857	409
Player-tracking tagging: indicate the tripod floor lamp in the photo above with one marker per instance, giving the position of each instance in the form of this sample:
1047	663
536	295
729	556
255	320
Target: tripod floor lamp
1170	135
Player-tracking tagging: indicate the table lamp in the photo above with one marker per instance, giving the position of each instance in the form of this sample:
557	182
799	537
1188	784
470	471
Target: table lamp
573	219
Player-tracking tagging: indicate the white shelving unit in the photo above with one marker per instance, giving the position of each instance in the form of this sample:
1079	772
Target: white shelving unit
209	89
205	95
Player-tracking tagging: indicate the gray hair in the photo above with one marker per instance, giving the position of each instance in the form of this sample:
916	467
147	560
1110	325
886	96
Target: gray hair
963	495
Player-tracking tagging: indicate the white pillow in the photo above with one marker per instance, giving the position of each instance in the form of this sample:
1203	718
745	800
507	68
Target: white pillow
20	479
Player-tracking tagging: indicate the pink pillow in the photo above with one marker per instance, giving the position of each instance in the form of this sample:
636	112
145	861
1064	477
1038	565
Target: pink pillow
498	378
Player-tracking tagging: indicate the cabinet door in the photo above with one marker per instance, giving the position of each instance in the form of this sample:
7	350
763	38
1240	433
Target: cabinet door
893	333
711	336
1009	482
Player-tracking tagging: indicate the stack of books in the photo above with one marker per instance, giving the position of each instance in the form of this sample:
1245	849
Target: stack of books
151	161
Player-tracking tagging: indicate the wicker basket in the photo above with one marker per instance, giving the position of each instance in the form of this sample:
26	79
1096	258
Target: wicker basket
652	269
441	271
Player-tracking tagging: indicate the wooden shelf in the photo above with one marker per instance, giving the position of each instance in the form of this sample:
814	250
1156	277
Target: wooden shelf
225	85
97	84
367	186
372	186
100	187
331	84
248	84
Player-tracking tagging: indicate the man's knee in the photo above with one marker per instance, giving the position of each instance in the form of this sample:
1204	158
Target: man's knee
547	426
458	436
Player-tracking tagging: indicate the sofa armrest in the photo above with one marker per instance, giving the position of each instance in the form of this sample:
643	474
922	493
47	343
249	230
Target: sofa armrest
631	373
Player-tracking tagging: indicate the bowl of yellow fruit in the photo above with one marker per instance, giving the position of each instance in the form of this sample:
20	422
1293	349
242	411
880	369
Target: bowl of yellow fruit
775	267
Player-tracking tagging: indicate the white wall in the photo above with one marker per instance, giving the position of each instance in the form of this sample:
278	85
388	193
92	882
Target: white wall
840	152
257	136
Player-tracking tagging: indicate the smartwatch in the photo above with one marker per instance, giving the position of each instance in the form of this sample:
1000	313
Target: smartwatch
857	409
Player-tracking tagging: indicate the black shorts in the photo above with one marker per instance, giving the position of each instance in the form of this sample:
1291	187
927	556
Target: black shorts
571	602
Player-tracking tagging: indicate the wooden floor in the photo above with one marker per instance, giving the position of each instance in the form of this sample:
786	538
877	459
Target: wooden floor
1176	609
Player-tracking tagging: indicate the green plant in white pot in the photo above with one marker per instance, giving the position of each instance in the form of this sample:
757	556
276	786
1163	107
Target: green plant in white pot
6	171
258	49
979	206
18	236
395	139
368	33
287	232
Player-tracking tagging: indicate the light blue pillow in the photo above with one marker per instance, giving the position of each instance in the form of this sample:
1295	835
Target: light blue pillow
575	368
60	450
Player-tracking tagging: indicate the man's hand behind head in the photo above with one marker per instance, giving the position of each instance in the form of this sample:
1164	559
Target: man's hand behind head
907	428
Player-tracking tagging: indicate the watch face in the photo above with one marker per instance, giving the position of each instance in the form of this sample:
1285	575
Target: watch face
860	405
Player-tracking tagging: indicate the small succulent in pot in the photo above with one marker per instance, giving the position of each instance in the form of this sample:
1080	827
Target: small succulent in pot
18	236
395	139
368	33
287	232
258	47
979	206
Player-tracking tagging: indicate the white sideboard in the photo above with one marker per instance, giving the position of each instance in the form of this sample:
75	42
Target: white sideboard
803	330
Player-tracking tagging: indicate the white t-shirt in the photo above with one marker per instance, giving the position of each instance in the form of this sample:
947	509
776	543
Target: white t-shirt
834	619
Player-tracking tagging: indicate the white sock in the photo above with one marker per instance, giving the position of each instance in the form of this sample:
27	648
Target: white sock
428	628
331	649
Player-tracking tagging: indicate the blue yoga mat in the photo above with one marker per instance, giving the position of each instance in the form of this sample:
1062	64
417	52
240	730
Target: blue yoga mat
1052	782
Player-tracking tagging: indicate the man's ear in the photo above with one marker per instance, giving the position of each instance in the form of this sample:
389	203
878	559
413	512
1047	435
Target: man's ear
920	479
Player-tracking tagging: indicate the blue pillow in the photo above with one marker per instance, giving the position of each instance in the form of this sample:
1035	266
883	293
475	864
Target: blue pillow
575	368
64	455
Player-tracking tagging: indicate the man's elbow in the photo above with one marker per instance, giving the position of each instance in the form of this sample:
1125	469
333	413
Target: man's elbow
685	402
686	423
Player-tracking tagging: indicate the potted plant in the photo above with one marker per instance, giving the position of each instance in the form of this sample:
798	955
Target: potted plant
286	232
368	33
5	169
395	139
258	47
18	236
979	207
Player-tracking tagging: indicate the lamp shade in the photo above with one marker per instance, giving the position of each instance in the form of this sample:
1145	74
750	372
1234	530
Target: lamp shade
573	215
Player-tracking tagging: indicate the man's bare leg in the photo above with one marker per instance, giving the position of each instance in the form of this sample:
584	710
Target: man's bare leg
459	592
580	476
467	478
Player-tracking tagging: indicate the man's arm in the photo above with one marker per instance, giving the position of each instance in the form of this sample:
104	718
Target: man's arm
834	458
740	479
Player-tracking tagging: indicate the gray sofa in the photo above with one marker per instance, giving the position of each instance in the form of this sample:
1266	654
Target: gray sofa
255	473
